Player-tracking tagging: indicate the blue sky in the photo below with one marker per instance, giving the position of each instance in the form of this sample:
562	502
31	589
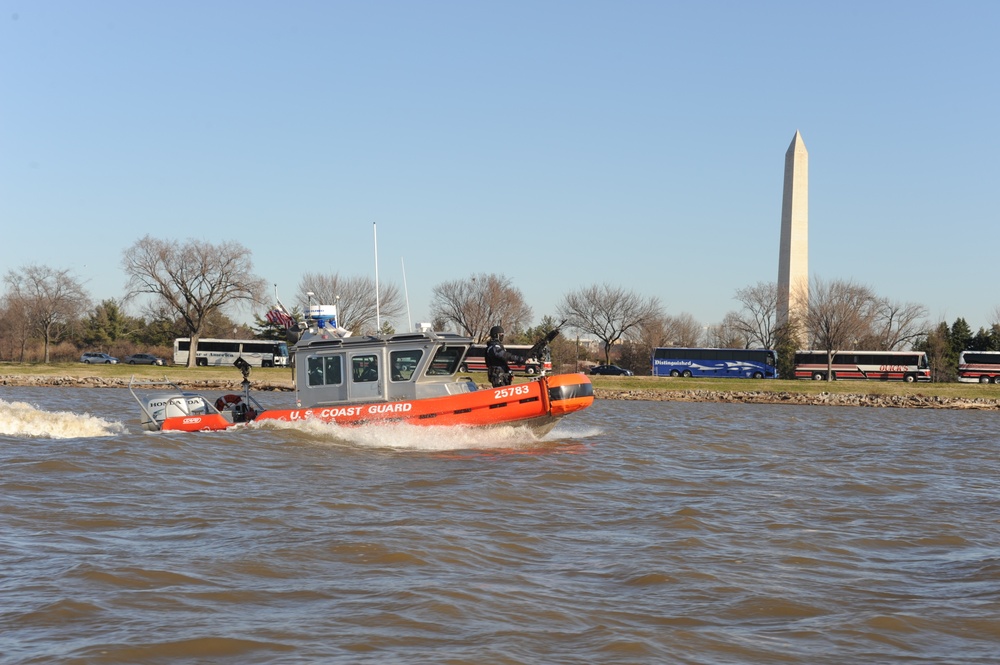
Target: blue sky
559	143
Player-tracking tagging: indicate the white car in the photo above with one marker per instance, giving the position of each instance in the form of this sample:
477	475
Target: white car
98	358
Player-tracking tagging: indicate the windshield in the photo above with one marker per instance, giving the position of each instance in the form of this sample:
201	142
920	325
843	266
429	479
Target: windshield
446	360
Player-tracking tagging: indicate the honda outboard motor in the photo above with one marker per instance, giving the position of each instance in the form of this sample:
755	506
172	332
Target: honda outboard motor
160	406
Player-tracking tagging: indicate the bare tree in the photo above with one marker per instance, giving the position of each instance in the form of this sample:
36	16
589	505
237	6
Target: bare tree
609	313
758	320
840	314
52	299
638	351
357	306
15	325
682	330
730	334
195	279
479	303
895	325
654	332
161	327
995	317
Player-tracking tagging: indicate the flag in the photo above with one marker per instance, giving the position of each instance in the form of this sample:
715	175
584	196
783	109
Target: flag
280	318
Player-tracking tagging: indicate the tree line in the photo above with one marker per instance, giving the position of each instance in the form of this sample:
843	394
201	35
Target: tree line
195	289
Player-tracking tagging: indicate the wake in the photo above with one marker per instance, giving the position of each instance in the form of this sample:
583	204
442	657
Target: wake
24	420
402	436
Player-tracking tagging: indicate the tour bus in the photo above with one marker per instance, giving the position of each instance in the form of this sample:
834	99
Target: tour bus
475	360
734	363
979	366
906	366
257	352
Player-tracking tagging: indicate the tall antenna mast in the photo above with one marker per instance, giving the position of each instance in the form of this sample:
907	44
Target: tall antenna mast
378	318
406	294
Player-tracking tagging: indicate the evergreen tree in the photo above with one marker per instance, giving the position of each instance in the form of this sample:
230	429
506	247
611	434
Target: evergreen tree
159	331
961	336
533	334
983	341
107	324
786	344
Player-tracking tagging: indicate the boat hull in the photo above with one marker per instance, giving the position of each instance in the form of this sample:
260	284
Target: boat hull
537	404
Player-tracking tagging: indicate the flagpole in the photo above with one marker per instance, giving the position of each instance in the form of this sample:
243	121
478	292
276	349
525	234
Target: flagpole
406	294
378	319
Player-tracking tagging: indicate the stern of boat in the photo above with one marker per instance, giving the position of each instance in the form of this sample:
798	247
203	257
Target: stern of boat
175	409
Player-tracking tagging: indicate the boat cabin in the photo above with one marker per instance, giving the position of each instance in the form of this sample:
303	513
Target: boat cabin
333	369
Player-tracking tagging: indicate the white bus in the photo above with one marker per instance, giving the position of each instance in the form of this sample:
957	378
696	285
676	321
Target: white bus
906	366
257	352
979	367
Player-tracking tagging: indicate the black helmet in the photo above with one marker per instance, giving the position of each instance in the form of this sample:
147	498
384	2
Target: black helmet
496	332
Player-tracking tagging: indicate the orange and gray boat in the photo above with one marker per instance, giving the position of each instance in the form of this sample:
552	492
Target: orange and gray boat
410	378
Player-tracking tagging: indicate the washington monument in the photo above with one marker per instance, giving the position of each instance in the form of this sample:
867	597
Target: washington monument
793	255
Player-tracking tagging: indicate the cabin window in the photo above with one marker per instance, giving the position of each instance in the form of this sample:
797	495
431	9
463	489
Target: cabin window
324	371
364	368
331	371
402	364
446	360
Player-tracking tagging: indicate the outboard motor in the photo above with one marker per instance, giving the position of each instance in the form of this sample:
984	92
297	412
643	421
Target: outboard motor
160	406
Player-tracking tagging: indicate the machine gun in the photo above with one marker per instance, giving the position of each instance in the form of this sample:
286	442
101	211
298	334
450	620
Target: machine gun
544	342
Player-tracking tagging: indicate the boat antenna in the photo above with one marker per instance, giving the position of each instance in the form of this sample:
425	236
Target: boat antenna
406	294
280	305
378	318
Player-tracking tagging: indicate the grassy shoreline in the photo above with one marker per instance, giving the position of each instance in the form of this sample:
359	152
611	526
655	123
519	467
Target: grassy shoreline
282	376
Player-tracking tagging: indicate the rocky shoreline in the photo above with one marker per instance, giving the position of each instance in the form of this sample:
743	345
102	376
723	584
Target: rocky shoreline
736	397
102	382
818	399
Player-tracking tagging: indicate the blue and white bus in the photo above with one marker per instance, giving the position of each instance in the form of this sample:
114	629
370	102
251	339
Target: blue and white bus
733	363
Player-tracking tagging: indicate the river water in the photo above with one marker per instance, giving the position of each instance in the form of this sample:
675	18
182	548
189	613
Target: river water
636	532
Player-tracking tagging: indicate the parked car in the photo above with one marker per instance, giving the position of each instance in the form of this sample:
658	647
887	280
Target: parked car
143	359
612	370
98	358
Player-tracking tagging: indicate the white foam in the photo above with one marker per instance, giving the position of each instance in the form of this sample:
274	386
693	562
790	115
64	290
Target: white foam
23	419
402	436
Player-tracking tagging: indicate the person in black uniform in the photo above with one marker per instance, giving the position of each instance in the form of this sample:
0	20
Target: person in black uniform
497	358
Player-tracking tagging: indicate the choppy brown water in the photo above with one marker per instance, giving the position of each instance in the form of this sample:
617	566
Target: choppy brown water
637	532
